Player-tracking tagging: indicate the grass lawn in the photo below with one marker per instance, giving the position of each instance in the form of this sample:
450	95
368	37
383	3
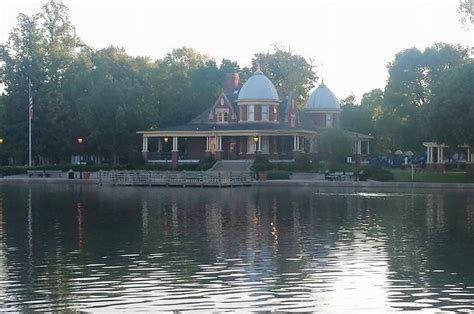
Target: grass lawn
448	177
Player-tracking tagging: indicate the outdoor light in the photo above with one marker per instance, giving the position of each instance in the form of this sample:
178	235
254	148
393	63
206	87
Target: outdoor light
1	140
80	140
255	139
165	139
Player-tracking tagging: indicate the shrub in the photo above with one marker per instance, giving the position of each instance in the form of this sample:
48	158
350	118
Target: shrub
261	163
378	173
206	163
303	162
278	175
334	145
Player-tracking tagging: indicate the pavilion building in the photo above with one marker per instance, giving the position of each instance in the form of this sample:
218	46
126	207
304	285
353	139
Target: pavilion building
248	120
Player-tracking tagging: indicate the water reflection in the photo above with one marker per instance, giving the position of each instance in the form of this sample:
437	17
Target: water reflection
227	249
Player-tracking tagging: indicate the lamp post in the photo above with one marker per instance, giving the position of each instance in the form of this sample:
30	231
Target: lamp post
255	139
80	142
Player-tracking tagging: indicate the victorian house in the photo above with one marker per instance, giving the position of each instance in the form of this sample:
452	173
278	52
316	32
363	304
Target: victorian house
248	120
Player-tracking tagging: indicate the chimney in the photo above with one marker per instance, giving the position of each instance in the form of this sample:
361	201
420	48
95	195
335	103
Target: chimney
232	81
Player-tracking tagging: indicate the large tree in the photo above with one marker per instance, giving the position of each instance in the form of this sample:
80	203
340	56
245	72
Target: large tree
354	117
40	49
412	76
452	108
289	72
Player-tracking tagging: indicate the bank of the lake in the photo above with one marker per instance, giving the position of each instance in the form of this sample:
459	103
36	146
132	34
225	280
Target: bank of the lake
370	184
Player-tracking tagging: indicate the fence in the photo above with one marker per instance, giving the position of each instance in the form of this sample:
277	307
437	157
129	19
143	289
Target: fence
174	178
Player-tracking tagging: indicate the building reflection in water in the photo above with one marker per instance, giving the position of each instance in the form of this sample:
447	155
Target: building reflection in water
283	249
80	225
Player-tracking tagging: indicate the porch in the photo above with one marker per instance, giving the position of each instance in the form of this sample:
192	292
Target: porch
173	149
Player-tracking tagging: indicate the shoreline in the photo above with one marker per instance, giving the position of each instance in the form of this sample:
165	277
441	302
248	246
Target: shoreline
270	183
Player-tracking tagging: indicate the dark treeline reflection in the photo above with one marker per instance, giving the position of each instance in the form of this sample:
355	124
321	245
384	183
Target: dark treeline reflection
87	247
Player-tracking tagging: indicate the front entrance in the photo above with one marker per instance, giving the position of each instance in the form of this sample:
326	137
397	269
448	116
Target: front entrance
233	153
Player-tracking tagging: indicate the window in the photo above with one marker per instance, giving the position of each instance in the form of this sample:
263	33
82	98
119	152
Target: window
251	113
226	116
328	120
219	117
264	112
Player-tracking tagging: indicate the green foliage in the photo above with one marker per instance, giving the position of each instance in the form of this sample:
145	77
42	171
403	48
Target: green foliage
278	175
357	119
206	163
334	145
303	162
451	112
466	9
342	167
261	163
433	177
377	173
413	76
290	73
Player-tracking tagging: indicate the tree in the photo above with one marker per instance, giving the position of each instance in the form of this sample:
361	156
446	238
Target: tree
412	76
289	72
117	101
334	145
40	48
354	117
452	108
466	9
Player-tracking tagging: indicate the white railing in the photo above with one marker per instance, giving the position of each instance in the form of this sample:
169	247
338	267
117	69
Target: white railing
175	178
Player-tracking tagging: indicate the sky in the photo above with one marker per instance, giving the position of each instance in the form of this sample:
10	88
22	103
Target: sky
350	42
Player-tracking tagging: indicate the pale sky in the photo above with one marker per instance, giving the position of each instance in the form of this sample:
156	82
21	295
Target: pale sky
350	41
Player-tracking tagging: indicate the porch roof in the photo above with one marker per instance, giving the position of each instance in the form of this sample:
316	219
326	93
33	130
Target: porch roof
243	129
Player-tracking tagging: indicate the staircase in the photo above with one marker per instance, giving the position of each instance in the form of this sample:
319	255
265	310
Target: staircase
232	165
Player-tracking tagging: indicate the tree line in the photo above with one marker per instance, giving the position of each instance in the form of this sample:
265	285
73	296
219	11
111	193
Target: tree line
104	96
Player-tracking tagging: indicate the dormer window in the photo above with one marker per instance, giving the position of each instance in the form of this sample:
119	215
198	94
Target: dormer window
222	115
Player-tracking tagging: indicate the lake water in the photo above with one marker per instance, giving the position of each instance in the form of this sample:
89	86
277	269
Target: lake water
95	248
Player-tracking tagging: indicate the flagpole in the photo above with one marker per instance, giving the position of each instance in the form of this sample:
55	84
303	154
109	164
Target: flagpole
29	123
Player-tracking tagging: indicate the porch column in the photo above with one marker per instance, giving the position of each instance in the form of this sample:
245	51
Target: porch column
296	147
174	154
441	167
430	166
259	144
468	155
296	143
145	147
358	150
219	147
208	146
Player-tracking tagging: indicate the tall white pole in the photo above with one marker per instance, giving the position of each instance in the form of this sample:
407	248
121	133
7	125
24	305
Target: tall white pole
29	122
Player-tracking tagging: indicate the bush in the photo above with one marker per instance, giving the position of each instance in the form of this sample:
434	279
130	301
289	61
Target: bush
261	163
278	175
206	163
377	173
334	145
302	162
341	168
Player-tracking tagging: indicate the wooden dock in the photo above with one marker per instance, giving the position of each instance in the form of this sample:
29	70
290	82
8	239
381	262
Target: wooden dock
175	178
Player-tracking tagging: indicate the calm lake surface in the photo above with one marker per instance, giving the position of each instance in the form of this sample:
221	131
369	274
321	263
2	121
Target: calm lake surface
97	248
